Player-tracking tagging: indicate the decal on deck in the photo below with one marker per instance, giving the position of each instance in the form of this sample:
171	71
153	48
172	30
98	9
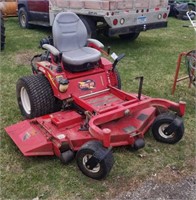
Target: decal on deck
28	134
87	84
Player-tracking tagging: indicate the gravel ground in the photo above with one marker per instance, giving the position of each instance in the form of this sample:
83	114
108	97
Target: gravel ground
185	189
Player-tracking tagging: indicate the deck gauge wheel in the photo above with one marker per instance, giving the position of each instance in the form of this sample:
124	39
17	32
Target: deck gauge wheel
168	128
102	168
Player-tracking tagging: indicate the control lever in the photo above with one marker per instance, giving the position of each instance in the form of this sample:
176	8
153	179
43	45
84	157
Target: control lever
141	78
108	51
60	57
59	68
120	57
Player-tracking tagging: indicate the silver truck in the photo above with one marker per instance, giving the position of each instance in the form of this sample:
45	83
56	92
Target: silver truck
125	18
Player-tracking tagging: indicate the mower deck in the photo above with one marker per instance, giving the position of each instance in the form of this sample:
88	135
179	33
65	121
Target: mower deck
119	119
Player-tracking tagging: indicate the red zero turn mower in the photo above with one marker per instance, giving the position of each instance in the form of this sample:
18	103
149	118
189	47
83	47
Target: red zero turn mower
73	104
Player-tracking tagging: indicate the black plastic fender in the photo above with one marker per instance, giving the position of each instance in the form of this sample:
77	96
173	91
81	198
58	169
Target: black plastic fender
177	123
97	157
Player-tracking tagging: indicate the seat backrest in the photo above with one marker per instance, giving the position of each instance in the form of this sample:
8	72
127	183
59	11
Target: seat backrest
69	32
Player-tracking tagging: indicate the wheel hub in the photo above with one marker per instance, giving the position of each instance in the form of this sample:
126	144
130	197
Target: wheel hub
163	133
25	100
85	160
23	20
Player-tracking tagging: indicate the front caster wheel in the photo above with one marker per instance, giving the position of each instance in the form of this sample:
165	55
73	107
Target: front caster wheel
67	156
102	169
168	128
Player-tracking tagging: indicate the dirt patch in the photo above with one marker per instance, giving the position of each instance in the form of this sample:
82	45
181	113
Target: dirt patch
185	189
24	58
170	183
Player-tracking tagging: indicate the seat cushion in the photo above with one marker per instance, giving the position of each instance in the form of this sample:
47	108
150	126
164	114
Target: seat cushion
81	56
69	32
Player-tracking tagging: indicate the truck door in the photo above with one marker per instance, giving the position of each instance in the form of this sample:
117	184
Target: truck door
39	10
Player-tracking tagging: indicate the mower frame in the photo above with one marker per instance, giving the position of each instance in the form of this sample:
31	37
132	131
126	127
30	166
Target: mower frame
94	114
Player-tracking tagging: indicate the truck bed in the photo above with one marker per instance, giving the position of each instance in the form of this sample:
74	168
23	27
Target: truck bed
108	5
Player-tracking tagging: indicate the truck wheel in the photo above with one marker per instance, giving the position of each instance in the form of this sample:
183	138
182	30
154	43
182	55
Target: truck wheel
86	152
115	78
130	36
161	123
35	96
23	18
90	26
2	32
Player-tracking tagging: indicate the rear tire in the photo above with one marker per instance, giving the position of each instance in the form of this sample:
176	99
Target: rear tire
2	32
23	18
130	36
35	96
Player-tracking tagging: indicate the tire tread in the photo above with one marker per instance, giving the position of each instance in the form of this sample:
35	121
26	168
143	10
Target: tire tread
40	94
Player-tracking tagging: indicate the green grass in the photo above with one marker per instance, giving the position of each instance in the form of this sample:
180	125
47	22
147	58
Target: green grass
154	55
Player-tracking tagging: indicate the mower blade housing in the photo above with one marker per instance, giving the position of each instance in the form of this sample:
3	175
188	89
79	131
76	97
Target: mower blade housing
29	139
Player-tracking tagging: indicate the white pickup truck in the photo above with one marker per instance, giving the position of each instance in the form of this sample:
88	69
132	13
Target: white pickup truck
125	18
